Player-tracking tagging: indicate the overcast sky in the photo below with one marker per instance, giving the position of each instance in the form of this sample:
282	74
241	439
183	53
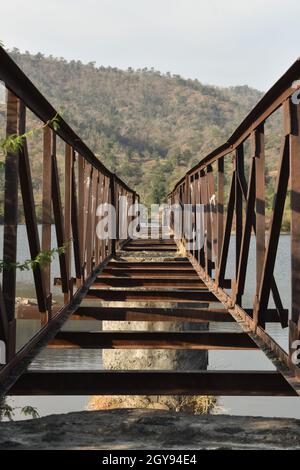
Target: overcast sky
221	42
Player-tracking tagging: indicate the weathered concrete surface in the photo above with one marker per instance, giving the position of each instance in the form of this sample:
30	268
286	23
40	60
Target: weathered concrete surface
145	429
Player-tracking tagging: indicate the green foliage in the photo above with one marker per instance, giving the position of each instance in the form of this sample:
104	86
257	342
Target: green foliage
30	411
55	122
42	259
15	142
8	412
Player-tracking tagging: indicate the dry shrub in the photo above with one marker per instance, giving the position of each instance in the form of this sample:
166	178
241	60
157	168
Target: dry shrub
194	404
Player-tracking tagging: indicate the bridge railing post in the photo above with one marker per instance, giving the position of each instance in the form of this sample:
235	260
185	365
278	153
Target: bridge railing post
243	253
47	216
267	279
227	231
113	188
67	217
75	223
212	215
220	214
193	221
294	325
59	219
10	222
238	162
30	216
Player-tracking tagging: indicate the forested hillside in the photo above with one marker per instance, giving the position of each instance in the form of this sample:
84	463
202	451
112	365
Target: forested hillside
148	127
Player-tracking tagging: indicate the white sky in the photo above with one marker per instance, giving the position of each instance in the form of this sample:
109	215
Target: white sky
221	42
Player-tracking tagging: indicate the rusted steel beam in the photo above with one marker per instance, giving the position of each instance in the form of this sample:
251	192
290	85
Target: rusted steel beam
259	155
179	265
68	214
103	282
112	188
4	327
59	222
91	214
81	215
246	235
193	222
271	251
281	312
283	318
198	219
102	244
75	228
227	232
271	315
202	254
166	314
151	274
205	340
239	165
29	212
108	200
152	248
115	193
211	196
10	207
184	314
46	212
295	220
194	315
156	271
207	222
158	242
10	222
151	295
97	255
220	212
87	202
99	382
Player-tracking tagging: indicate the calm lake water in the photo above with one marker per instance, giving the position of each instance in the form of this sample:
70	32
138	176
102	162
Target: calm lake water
228	360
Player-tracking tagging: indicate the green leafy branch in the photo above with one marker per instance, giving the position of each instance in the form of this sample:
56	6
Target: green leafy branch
15	142
42	259
8	412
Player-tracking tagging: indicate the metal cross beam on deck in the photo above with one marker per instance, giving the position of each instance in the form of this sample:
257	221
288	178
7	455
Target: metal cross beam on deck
152	340
191	315
163	382
161	295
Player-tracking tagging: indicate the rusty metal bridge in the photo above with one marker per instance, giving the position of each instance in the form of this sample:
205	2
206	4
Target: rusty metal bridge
192	280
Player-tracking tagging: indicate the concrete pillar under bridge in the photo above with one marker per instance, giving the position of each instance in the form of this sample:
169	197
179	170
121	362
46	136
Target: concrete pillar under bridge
151	359
171	359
